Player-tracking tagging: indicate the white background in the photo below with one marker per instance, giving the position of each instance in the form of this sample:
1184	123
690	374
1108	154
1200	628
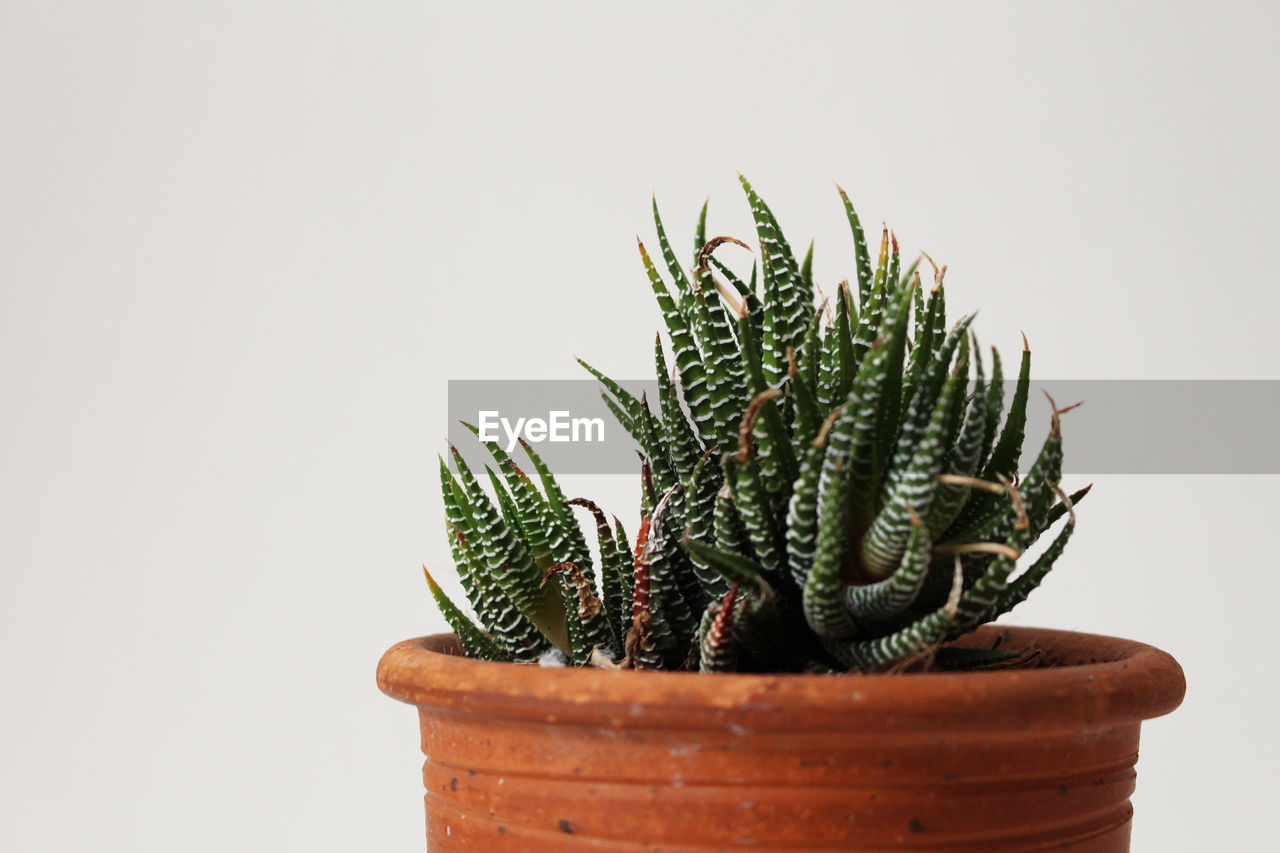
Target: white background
242	249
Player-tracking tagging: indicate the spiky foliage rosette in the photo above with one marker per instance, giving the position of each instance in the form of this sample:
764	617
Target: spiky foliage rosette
823	489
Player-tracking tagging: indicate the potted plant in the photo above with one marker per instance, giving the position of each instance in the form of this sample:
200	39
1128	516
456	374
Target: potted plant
796	653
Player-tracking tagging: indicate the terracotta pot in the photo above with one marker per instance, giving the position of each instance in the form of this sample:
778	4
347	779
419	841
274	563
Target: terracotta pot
522	758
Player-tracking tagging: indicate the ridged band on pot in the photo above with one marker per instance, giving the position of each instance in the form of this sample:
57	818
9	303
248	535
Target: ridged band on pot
526	758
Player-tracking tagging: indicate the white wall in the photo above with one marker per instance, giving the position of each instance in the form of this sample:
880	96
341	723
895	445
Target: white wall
242	249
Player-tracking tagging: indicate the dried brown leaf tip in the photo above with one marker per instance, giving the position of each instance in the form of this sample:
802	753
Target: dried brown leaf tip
972	482
1022	522
824	306
820	440
602	522
588	604
732	299
1055	427
939	273
997	548
714	243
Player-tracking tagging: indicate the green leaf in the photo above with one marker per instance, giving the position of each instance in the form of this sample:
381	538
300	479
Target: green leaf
963	461
624	405
822	599
531	512
927	338
677	433
861	256
704	484
506	622
916	638
589	628
755	308
893	595
615	573
688	359
1027	582
506	554
683	286
652	440
735	568
872	309
877	425
802	513
808	413
773	442
911	486
475	643
754	506
731	534
700	237
780	269
846	363
726	384
672	617
995	405
1004	458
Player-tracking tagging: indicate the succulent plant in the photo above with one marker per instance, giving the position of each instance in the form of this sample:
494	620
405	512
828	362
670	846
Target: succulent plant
823	489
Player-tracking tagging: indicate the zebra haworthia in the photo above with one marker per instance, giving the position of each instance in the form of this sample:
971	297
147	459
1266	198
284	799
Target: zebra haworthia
827	484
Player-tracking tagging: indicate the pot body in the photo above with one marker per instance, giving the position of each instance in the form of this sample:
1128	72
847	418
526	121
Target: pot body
529	759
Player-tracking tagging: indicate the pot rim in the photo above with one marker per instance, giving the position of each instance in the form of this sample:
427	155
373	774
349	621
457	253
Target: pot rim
1100	681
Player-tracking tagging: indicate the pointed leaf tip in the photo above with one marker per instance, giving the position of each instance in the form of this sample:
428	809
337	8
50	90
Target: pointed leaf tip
938	272
1066	500
431	582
